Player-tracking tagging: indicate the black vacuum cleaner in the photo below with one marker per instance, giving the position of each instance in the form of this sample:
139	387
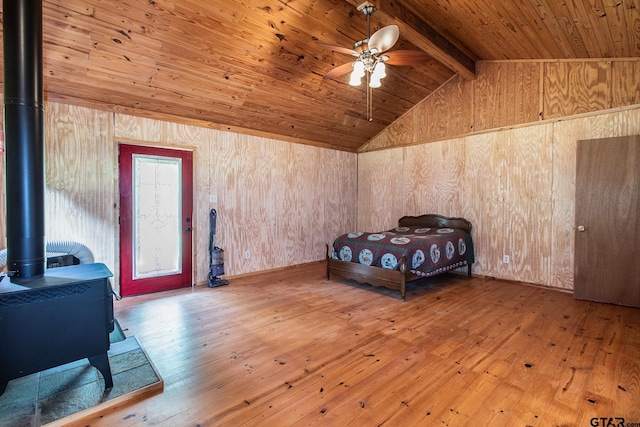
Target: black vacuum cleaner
216	255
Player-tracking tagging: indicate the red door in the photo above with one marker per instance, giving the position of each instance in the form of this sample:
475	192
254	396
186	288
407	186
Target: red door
156	202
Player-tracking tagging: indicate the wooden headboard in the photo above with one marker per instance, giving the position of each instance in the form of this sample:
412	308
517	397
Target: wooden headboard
435	221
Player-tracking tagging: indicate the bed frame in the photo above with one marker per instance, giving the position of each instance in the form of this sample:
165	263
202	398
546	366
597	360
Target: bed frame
393	279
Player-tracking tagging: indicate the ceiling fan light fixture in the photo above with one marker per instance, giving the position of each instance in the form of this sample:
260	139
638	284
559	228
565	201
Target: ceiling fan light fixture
379	70
357	74
370	57
377	74
355	81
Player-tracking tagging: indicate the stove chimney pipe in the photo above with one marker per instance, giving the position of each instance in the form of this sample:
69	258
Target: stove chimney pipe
24	137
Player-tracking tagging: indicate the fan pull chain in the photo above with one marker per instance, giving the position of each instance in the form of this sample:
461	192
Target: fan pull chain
369	100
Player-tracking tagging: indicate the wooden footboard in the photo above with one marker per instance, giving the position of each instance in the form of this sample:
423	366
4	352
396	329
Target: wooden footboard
394	280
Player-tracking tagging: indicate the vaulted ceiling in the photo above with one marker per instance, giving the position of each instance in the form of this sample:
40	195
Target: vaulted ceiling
258	65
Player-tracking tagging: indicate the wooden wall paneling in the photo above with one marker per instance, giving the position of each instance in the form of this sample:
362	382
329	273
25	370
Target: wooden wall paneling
380	195
447	112
506	93
487	95
300	215
422	119
339	173
81	179
565	137
375	143
288	207
433	176
576	87
629	122
563	235
253	187
416	169
625	83
225	149
515	93
458	116
528	203
482	199
138	128
400	132
201	206
312	191
181	135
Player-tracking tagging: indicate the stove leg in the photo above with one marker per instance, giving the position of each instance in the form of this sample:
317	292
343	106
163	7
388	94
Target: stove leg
101	363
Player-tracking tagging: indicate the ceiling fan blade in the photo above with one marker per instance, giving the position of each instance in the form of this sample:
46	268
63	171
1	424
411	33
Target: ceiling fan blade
340	70
338	49
384	38
406	57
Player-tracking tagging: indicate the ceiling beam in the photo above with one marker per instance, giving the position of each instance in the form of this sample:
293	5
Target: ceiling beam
423	36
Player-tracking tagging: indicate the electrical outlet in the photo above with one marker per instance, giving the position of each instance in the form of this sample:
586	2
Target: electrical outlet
505	259
247	254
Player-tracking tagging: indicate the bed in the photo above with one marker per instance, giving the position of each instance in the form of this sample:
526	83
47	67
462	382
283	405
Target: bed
421	246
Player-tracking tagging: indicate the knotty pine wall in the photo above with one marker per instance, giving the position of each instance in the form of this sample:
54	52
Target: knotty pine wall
279	200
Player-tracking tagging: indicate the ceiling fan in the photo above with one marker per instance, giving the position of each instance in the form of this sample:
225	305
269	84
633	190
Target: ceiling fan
371	56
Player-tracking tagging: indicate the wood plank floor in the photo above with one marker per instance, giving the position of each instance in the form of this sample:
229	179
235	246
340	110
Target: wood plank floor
291	348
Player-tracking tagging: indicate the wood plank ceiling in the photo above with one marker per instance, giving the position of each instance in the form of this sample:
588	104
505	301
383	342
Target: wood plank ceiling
256	65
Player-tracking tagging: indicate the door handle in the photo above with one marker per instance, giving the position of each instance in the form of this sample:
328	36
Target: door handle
581	228
188	229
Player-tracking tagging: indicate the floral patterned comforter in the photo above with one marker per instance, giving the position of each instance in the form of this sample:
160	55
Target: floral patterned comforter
428	251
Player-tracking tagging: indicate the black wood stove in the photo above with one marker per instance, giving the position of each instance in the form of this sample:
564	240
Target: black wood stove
63	316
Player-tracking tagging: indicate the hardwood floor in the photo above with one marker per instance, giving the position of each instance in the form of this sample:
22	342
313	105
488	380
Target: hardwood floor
291	348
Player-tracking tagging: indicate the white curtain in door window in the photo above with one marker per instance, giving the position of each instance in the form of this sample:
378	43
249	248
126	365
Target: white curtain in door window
157	222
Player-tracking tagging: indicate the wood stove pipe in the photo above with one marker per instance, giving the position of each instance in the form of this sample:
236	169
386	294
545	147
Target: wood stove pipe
24	137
